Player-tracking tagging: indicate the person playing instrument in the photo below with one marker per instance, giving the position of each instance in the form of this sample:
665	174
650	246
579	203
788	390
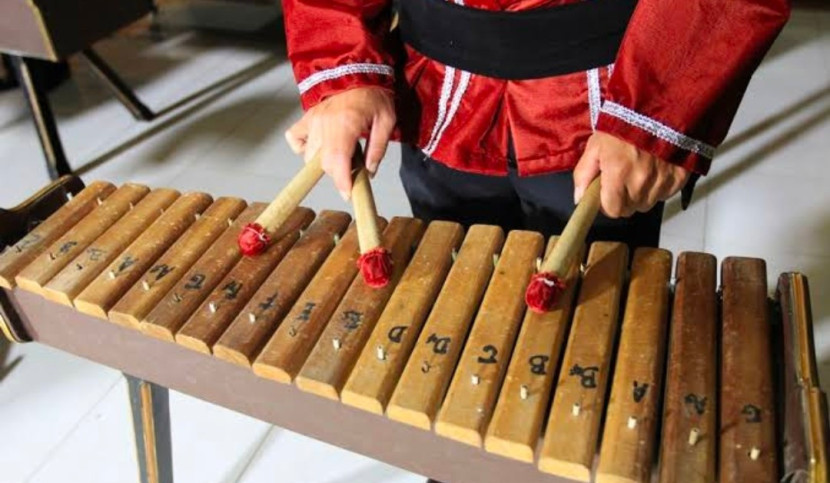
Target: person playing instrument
508	109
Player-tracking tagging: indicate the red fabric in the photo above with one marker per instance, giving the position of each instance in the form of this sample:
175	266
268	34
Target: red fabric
543	291
684	65
376	267
253	240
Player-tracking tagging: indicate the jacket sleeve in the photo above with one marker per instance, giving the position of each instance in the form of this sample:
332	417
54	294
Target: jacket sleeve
681	72
336	45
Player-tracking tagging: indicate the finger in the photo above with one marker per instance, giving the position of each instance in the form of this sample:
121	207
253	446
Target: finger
337	150
614	198
378	142
313	141
586	170
297	135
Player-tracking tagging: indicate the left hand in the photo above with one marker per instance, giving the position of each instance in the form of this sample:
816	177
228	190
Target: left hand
631	179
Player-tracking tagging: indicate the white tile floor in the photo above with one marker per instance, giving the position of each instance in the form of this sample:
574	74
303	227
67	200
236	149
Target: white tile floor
65	419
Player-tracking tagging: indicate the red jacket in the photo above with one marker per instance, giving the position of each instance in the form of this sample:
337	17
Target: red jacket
679	76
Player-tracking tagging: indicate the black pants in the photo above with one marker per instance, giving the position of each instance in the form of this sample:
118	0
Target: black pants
540	203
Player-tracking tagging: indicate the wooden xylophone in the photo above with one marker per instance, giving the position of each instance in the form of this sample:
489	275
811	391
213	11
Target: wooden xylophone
638	372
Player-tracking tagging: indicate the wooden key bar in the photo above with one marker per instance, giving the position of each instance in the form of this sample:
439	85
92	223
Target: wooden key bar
631	420
380	364
22	253
427	373
333	357
572	432
212	318
167	270
176	307
687	449
525	395
477	380
82	270
747	415
286	351
74	241
249	332
124	271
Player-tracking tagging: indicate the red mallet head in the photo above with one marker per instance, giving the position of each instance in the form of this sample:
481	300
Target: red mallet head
543	291
376	267
253	240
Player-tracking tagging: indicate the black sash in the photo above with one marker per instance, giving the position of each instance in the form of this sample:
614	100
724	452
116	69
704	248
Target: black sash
528	44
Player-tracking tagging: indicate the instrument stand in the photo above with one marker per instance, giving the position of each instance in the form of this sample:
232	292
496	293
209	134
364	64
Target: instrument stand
150	405
38	102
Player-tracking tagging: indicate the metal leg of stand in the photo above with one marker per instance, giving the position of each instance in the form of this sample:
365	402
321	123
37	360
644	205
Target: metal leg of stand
151	422
123	92
47	131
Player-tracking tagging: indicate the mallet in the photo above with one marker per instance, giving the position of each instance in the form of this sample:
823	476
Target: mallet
375	261
546	285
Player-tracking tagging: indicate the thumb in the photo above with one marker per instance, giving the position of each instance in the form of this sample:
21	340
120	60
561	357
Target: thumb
586	170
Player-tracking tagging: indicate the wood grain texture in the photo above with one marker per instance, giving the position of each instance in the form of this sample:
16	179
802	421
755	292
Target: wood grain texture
747	413
251	329
519	414
472	394
327	367
97	298
380	364
75	241
185	297
171	267
427	374
687	448
629	438
14	258
219	309
82	270
286	351
572	432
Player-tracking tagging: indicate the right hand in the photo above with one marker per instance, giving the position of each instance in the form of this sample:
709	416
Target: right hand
334	127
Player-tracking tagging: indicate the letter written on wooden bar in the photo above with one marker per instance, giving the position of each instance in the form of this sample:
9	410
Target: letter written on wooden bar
747	415
19	255
249	332
124	271
572	432
288	348
427	374
219	309
380	364
184	298
169	269
525	395
336	351
472	393
74	241
687	448
632	417
82	270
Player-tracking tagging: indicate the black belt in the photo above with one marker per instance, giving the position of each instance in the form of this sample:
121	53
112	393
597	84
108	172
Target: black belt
528	44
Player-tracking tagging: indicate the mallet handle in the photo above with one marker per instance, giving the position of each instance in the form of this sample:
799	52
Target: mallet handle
365	212
573	236
290	197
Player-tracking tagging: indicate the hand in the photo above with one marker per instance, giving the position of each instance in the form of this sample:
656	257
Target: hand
335	125
631	179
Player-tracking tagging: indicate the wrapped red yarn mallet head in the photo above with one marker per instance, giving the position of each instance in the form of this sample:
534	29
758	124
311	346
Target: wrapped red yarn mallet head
253	240
376	267
543	291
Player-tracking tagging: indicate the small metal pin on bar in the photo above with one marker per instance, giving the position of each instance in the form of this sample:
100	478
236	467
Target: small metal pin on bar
425	367
381	354
251	317
754	453
538	263
454	254
100	201
145	285
575	409
582	268
495	259
632	422
230	222
336	238
112	274
336	344
68	195
475	379
177	298
132	205
694	436
523	392
197	216
212	307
